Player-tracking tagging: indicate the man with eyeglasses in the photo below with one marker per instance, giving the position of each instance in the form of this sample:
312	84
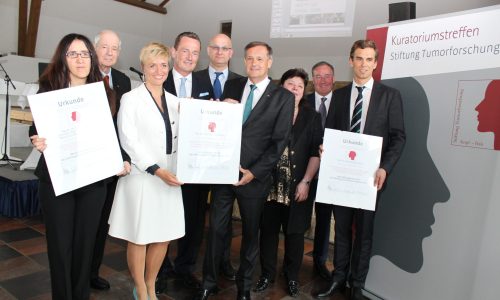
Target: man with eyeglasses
323	79
219	52
107	45
183	83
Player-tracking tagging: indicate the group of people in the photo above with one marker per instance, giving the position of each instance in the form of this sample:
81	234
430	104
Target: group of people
281	144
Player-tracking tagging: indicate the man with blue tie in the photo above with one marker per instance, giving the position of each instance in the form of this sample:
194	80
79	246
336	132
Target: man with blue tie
368	107
182	82
267	123
220	51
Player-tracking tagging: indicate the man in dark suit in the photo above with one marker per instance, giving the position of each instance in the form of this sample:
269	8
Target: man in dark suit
267	123
367	107
217	74
220	51
323	76
182	82
108	46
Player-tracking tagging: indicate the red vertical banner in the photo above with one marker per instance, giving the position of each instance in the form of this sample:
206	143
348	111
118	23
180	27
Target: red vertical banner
379	35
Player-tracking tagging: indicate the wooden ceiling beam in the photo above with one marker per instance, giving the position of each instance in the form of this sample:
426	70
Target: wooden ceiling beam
21	28
145	5
163	3
34	20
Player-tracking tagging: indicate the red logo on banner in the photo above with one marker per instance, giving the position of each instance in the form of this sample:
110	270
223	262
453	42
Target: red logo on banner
211	126
73	116
352	155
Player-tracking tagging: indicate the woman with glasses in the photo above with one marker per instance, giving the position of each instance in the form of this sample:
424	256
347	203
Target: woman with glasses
148	210
71	219
288	205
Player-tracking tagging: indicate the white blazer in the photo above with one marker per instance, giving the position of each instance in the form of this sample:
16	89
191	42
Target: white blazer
142	130
146	209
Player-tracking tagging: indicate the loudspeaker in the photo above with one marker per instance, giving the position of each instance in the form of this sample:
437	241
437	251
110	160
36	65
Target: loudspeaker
401	11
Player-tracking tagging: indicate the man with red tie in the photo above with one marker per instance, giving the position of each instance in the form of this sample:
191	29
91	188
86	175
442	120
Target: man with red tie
108	45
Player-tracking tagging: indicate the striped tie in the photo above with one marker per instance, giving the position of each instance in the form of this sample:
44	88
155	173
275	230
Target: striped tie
356	114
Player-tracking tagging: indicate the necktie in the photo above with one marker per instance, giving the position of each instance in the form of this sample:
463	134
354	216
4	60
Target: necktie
217	86
106	81
248	104
182	88
356	114
322	111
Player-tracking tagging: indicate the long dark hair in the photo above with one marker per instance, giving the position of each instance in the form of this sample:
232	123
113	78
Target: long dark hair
56	75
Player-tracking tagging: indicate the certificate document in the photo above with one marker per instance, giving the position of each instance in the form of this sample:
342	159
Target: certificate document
82	146
209	141
347	170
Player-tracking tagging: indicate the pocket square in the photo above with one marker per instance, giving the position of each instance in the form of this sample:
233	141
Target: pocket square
203	94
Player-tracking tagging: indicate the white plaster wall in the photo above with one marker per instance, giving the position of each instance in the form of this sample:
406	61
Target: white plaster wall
251	21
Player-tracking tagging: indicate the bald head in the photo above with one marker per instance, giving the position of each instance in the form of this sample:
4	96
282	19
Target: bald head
107	45
220	51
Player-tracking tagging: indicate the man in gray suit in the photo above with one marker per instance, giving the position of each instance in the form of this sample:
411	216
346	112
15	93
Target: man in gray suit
267	123
367	107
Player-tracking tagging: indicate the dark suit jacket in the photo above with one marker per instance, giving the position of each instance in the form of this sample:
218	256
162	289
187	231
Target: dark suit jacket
266	132
199	89
204	78
311	101
307	135
384	119
121	85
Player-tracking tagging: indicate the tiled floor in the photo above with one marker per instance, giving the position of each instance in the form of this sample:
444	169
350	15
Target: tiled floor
24	272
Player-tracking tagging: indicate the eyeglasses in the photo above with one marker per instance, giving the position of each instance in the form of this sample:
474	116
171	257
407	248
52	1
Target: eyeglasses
75	54
217	48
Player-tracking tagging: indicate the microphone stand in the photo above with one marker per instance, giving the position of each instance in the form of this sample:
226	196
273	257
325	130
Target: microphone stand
141	76
5	157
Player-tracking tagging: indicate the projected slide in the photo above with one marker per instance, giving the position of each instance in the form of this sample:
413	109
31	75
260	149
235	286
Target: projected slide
311	18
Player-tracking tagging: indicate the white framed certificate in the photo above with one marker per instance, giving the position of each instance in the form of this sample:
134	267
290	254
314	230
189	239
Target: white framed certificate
209	141
82	146
347	170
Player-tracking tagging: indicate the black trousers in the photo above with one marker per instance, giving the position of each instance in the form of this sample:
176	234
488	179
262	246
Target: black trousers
194	198
220	216
102	231
323	214
322	231
356	260
275	218
71	222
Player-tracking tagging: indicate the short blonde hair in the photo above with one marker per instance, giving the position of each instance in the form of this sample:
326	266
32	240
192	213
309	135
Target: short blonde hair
153	50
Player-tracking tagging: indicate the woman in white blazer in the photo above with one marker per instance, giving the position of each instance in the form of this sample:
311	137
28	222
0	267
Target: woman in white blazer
147	209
